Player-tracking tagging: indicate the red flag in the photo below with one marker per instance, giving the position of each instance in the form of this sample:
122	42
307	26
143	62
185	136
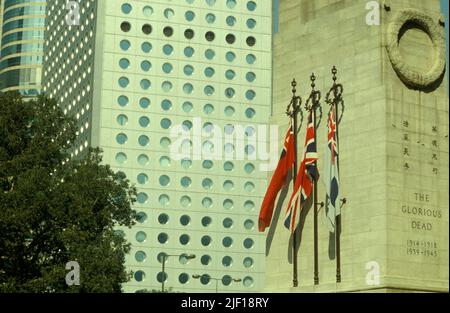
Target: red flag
278	179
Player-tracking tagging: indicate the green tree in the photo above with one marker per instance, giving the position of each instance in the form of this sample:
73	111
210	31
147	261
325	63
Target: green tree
55	209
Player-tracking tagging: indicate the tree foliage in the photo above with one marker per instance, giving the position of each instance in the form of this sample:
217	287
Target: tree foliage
55	209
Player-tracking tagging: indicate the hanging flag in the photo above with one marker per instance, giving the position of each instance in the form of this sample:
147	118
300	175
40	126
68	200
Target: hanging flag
304	181
332	208
278	179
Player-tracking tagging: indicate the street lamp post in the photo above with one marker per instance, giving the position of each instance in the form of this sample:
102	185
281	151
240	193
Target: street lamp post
163	270
196	276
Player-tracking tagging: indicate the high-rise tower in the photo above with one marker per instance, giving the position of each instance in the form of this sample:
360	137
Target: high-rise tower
22	40
131	71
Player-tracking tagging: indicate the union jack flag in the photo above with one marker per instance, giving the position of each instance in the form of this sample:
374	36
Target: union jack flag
306	176
332	208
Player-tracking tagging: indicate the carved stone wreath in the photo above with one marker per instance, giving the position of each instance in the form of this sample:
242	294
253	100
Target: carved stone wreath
406	72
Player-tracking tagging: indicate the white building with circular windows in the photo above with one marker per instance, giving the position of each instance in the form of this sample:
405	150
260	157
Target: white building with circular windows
131	72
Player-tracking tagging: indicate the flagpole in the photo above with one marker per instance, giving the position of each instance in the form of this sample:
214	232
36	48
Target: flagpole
292	113
315	103
337	99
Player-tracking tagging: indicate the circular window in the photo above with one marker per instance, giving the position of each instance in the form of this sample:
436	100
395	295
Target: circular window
169	13
143	140
185	163
161	257
147	10
188	70
144	103
248	262
209	72
210	54
208	108
142	178
189	16
164	199
143	159
121	138
251	23
189	33
164	161
140	256
124	45
231	4
251	6
164	180
185	201
139	276
163	237
249	168
167	68
230	74
206	240
250	94
168	31
125	27
210	18
207	202
248	281
163	218
205	279
205	259
227	242
141	236
122	119
166	86
230	38
210	2
249	205
189	51
185	220
250	58
121	157
230	56
165	123
184	239
228	185
249	224
146	66
209	36
248	243
183	278
164	142
229	111
250	41
250	77
126	8
188	88
228	204
146	47
166	104
209	90
208	164
185	181
167	49
123	82
207	183
250	113
124	63
146	29
231	20
228	166
187	107
183	258
141	217
227	222
227	261
142	197
160	277
145	84
226	280
206	221
122	101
